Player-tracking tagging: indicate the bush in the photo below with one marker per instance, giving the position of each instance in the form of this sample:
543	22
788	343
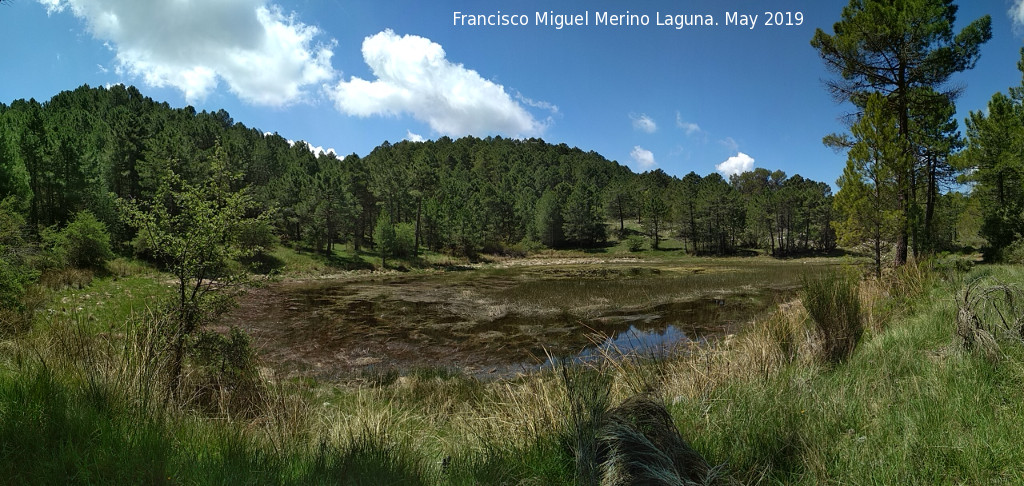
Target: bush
83	243
15	272
1013	253
256	236
832	301
228	378
405	240
950	266
635	243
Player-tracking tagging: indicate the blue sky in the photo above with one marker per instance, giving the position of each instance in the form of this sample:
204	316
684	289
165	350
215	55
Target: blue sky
349	75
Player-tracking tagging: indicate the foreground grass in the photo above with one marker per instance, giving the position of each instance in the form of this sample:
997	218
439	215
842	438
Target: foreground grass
908	407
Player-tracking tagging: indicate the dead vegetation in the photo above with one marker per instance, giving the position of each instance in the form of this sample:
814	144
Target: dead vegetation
989	312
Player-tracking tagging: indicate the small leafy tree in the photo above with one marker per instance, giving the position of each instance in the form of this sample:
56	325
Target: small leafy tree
193	229
384	237
405	240
654	210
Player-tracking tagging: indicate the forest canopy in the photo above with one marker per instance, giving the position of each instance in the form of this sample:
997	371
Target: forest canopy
84	150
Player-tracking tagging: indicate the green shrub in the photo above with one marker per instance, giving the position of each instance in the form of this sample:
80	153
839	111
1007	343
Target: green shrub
15	272
1014	253
833	303
12	283
83	243
256	236
405	240
950	266
228	378
635	243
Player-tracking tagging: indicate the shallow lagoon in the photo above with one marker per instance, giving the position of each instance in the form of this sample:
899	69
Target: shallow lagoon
497	320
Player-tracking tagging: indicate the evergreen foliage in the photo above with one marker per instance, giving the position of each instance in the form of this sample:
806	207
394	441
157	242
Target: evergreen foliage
85	149
901	55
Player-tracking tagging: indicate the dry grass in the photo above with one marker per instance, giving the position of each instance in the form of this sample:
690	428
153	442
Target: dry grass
765	347
989	311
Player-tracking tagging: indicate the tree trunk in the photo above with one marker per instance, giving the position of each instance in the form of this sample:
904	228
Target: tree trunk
930	201
416	239
902	197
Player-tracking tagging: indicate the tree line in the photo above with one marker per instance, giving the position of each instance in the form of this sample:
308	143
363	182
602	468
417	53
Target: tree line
89	148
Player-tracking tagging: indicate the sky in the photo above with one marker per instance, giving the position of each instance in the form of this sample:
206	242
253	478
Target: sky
348	75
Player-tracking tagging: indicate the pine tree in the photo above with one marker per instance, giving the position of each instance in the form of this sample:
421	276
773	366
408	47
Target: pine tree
906	51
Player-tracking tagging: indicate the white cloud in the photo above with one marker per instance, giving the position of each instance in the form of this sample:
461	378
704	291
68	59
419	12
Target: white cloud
730	144
1016	13
644	158
320	150
413	76
317	151
688	127
264	56
544	105
736	164
414	137
644	123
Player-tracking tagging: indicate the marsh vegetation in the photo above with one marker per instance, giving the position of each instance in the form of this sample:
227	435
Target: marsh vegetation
509	317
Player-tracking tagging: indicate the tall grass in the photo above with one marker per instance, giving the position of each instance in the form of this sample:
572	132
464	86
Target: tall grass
908	408
833	302
588	394
81	403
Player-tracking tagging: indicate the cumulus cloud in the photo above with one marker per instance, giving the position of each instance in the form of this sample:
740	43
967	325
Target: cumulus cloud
414	76
644	123
688	127
264	56
414	137
316	151
736	164
320	150
644	158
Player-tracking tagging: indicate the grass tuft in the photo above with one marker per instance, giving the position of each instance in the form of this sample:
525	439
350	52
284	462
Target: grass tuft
640	444
832	301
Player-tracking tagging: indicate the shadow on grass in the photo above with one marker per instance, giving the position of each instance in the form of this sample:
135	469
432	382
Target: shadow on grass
263	264
348	262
